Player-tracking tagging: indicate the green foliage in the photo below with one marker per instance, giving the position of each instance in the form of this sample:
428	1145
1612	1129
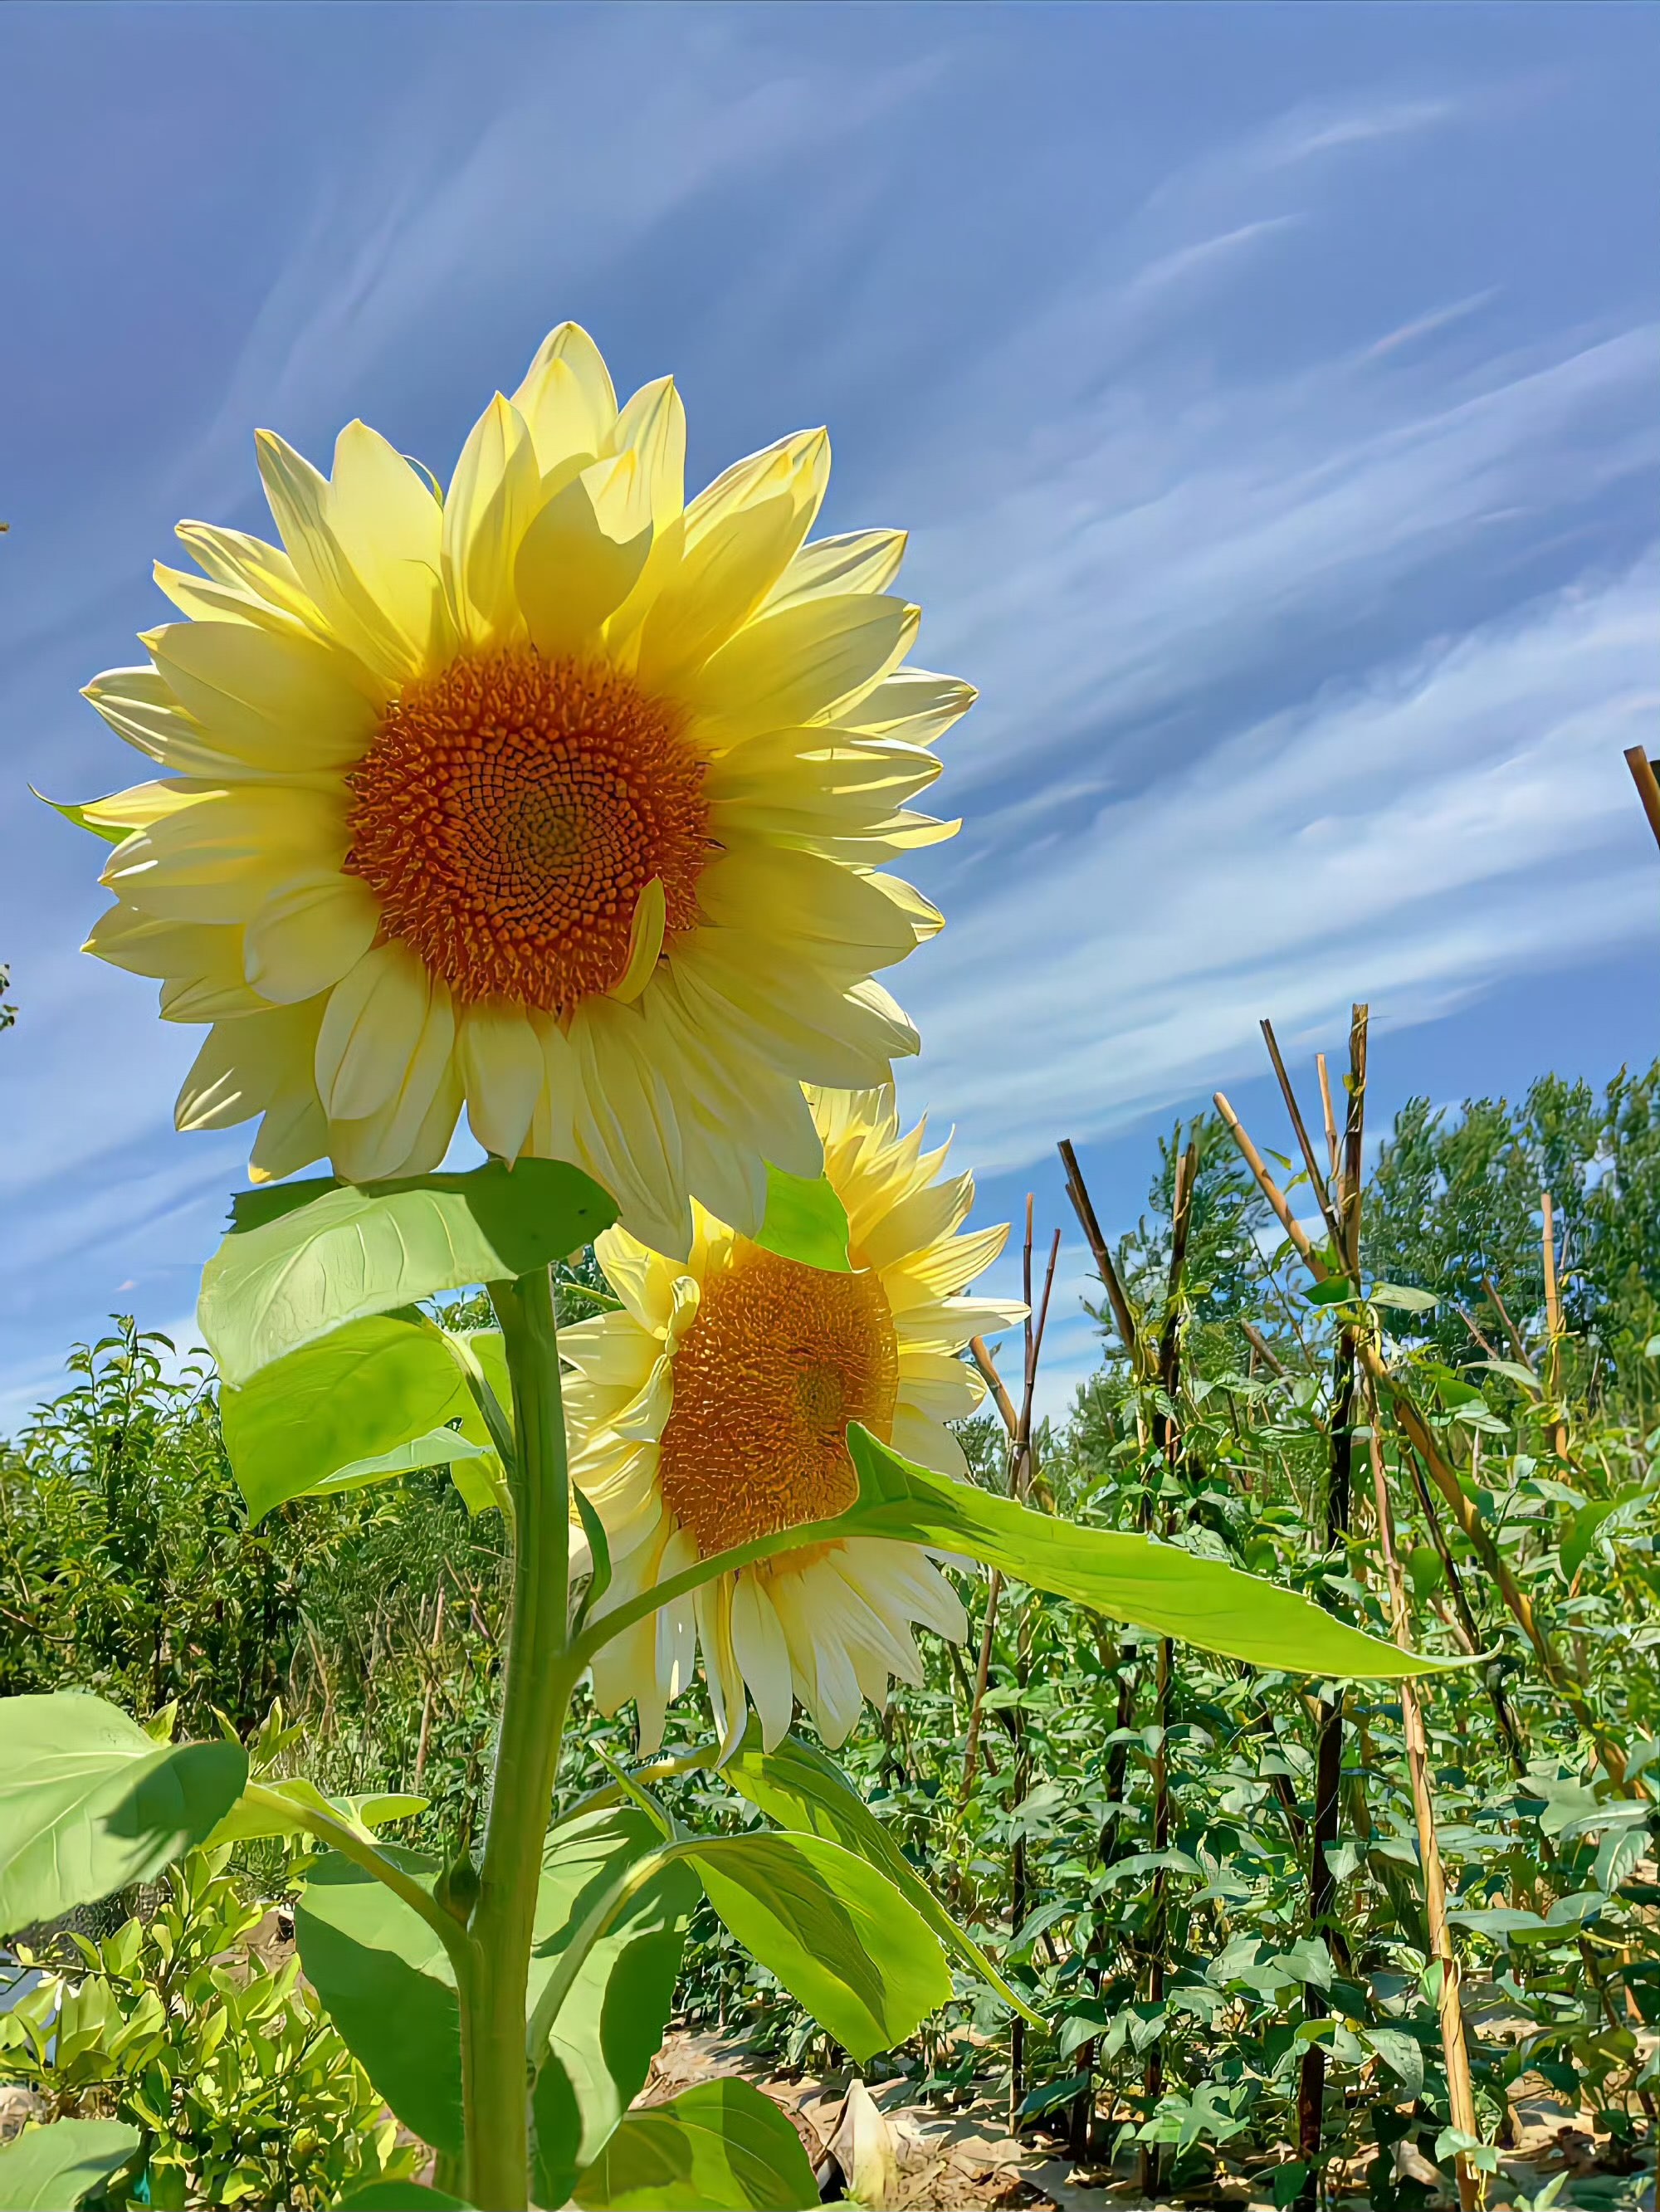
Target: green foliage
804	1221
303	1259
89	1802
722	2146
48	2169
218	2064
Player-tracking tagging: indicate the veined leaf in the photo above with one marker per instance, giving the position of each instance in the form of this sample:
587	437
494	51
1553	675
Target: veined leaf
304	1258
802	1789
610	2025
359	1405
723	2146
384	1979
52	2168
89	1802
1131	1578
836	1931
804	1221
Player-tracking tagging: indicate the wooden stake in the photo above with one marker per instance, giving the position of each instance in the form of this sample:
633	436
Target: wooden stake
1455	2048
1648	784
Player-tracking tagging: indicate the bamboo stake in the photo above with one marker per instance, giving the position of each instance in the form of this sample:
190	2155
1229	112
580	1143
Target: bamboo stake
1317	1181
1454	2048
1129	1334
1648	784
1464	1510
1558	1433
1167	1431
1344	1220
1325	1108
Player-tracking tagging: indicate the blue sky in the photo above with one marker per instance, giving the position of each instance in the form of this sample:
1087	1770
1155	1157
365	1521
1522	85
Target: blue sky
1269	391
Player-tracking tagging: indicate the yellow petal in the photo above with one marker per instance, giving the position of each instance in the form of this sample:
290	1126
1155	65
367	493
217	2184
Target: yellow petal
814	907
802	664
645	943
653	427
144	946
493	495
219	858
566	399
139	705
503	1069
300	502
582	555
294	1132
913	704
306	939
201	600
860	561
250	567
762	1657
284	704
718	586
408	1133
389	526
374	1022
246	1064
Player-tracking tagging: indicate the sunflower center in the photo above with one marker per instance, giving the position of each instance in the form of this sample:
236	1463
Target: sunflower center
779	1358
509	813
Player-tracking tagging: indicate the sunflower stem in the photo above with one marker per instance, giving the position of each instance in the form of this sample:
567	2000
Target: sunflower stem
536	1696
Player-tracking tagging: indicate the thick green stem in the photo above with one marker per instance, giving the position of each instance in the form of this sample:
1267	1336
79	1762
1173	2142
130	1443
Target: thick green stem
536	1692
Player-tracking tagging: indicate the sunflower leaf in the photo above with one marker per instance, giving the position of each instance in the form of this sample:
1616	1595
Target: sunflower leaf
303	1259
1136	1579
89	1802
801	1789
721	2145
804	1221
55	2166
368	1402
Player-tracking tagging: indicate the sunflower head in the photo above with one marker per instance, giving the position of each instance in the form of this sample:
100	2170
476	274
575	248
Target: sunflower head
713	1408
557	800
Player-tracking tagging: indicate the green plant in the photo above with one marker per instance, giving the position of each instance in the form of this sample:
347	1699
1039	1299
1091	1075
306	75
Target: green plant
240	2089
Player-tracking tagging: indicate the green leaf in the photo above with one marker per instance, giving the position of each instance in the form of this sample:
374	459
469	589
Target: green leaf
401	2196
1131	1578
304	1258
367	1401
89	1802
800	1787
1401	2053
49	2169
1403	1295
723	2146
279	1809
384	1979
1424	1569
1335	1291
836	1932
804	1221
609	2027
111	833
1593	1521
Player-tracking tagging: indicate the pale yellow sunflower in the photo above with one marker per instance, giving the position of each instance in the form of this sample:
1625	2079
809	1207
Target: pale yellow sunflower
713	1408
556	798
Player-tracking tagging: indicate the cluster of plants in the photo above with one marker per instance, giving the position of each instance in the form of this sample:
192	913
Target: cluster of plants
1133	1848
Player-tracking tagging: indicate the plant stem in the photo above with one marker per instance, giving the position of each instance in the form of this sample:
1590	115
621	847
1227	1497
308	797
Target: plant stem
538	1677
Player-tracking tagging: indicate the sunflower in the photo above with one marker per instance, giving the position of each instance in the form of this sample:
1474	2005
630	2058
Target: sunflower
555	798
712	1408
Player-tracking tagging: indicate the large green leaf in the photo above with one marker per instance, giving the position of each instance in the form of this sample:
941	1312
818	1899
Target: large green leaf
89	1802
384	1977
365	1402
836	1932
401	2196
723	2146
50	2169
611	2024
800	1787
806	1221
304	1258
1136	1579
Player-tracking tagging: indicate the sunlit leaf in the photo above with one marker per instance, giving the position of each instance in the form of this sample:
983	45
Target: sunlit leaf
801	1787
721	2145
804	1221
359	1405
89	1802
835	1930
304	1258
610	2025
52	2168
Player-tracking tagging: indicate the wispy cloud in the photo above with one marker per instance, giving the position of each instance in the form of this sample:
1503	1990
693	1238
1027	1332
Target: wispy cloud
1459	817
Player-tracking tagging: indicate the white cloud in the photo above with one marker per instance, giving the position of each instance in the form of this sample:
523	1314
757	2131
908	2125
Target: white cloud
1457	818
